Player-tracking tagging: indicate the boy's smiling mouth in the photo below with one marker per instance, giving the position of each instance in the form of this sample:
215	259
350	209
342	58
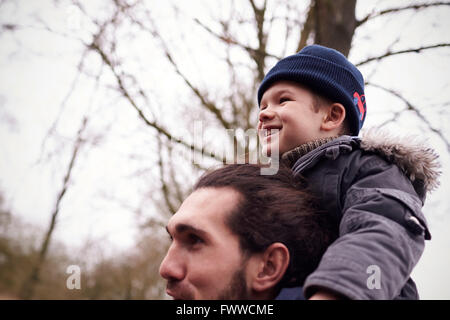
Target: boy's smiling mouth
268	131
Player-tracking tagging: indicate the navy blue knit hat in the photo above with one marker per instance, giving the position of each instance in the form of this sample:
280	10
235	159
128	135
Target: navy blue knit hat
328	73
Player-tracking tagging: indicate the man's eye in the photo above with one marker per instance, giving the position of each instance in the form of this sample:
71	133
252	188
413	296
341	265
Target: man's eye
284	99
193	239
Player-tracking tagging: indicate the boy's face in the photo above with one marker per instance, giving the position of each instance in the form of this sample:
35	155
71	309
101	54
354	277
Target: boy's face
288	108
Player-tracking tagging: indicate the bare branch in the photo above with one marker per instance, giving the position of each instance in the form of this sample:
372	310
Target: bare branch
43	27
230	40
178	193
164	188
394	118
208	104
260	54
62	106
234	107
415	50
410	107
28	286
392	10
199	167
201	96
94	46
9	27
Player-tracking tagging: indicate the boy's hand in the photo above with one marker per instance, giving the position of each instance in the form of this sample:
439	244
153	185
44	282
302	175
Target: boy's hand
323	294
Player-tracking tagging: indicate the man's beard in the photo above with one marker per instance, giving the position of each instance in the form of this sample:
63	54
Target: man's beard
237	288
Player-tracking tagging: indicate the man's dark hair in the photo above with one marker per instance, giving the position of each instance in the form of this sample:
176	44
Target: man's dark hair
275	208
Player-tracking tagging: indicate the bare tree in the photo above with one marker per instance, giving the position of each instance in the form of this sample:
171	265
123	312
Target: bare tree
246	37
29	284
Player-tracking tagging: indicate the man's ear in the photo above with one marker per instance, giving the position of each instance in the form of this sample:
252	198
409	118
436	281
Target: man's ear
334	117
271	268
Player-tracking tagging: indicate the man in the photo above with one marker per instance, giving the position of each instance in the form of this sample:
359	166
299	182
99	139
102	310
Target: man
243	235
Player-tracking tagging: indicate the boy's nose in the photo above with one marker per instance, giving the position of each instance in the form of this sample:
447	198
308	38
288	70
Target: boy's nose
172	267
266	115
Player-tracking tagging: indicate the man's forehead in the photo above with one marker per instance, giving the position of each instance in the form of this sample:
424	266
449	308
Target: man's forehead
206	208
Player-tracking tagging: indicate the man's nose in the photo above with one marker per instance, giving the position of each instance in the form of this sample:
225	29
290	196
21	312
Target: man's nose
172	267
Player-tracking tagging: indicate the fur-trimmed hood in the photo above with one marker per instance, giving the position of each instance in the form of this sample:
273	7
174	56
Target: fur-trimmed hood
412	155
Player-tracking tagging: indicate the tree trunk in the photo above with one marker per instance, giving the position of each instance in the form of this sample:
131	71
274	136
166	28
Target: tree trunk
334	23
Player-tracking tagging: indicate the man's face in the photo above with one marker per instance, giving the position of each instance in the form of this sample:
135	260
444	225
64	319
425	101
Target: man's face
204	260
288	108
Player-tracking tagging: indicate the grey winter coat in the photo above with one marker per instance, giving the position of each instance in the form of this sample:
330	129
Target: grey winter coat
374	187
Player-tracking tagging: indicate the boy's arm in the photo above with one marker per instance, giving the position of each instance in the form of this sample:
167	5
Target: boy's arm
381	237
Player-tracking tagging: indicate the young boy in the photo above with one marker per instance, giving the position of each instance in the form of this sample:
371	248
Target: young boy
312	106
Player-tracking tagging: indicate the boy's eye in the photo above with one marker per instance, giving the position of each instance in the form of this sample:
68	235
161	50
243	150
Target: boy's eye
284	99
